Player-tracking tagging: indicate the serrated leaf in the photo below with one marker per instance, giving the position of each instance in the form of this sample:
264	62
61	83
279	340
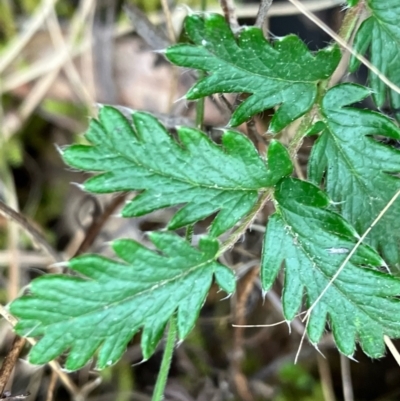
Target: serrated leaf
381	34
359	169
284	73
362	304
196	172
114	299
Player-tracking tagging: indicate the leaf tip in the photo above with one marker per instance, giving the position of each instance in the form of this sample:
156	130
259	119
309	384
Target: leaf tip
60	264
185	7
184	97
60	149
78	185
159	51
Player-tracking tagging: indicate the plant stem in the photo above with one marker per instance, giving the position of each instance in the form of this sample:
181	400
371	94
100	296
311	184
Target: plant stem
297	140
158	394
264	198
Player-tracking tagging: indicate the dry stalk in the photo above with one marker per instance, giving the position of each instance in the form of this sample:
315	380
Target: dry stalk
229	11
245	288
43	85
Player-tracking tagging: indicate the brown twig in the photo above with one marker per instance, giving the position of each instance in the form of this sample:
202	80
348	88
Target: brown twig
97	224
9	362
52	386
244	292
36	235
228	8
68	383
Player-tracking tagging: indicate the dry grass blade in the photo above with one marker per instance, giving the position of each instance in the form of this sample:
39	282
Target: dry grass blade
344	44
15	47
59	43
346	378
168	18
43	85
326	378
392	349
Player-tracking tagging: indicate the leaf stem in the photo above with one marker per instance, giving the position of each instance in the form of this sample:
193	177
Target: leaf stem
158	394
297	140
264	198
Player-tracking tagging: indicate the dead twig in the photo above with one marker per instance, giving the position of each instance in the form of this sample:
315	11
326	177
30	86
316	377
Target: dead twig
36	235
168	20
59	42
228	8
149	32
52	386
245	289
15	46
346	378
43	85
317	21
9	362
326	378
98	223
263	13
65	379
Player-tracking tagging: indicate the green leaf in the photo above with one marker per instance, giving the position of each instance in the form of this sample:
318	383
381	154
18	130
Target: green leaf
381	34
114	299
284	73
360	171
196	172
352	3
362	304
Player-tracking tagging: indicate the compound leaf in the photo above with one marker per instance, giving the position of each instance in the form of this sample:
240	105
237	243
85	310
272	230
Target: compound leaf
196	172
112	300
360	170
284	73
362	304
381	34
